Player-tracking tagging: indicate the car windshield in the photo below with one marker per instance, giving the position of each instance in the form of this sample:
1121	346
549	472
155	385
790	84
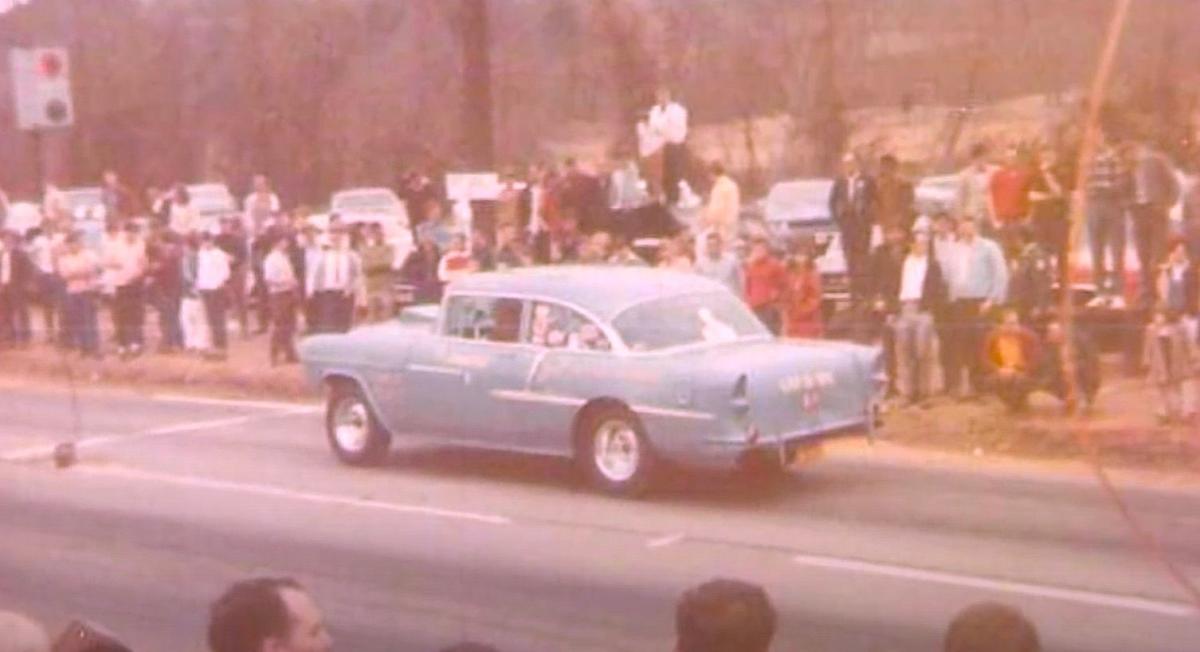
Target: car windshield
688	319
381	201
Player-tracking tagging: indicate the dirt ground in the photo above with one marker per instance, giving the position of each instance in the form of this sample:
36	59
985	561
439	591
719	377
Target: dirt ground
1123	427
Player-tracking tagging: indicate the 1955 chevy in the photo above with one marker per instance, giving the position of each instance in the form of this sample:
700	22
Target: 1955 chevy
618	368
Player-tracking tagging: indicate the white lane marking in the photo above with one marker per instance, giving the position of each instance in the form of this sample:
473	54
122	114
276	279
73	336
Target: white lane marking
664	541
264	405
1131	603
46	450
291	494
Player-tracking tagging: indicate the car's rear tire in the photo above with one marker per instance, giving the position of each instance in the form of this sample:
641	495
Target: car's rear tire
614	453
354	433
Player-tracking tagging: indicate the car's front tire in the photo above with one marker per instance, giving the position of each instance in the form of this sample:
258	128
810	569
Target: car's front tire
354	433
614	453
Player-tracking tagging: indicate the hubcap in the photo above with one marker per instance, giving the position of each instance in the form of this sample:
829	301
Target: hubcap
351	425
617	451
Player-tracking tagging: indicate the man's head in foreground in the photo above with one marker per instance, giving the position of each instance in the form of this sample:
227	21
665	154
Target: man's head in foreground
20	634
991	627
724	615
267	615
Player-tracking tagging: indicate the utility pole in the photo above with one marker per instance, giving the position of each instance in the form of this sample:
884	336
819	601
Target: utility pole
477	84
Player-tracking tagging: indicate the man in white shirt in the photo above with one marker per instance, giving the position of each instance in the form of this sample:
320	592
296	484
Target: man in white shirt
979	283
668	122
260	205
332	285
283	297
212	276
125	262
921	294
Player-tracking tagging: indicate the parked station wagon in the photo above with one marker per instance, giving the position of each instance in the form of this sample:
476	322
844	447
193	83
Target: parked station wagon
619	368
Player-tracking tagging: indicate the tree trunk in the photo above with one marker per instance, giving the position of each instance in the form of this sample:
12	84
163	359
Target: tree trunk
477	85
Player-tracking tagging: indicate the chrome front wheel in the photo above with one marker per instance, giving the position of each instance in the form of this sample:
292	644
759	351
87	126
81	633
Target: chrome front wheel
352	430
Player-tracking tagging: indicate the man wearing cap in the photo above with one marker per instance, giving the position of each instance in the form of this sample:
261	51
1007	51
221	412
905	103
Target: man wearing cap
851	204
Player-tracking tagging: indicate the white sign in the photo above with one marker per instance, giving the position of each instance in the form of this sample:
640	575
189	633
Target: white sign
472	186
42	88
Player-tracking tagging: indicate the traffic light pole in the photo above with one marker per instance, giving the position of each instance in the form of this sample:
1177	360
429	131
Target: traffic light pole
39	162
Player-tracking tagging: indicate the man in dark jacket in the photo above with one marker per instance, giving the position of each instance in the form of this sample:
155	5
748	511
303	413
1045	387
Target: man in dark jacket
885	265
1031	287
851	206
16	275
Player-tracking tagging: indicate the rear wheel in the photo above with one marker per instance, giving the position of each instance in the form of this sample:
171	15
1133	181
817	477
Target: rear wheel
614	453
353	431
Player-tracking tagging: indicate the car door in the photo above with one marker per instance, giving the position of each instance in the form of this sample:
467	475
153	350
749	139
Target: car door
569	351
480	358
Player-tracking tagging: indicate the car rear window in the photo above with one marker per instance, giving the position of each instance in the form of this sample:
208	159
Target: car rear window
688	319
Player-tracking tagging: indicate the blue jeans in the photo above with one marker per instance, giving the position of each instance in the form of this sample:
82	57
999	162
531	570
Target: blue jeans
1106	230
82	328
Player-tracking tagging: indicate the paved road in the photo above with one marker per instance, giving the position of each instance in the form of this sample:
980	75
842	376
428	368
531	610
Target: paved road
175	498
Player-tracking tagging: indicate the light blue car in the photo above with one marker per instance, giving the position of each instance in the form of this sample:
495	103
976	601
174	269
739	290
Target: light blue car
618	368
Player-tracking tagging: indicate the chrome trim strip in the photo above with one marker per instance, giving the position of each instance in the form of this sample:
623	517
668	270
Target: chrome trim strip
674	413
435	369
537	397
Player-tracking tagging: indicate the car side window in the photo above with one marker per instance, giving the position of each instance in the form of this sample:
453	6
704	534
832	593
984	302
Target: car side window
493	319
558	327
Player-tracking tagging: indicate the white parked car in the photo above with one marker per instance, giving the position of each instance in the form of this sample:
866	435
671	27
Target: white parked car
372	206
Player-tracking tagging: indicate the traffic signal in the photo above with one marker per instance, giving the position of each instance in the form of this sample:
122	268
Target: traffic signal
42	79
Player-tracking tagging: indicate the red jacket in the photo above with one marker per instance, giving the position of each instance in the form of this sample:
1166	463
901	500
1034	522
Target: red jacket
1010	194
765	281
802	304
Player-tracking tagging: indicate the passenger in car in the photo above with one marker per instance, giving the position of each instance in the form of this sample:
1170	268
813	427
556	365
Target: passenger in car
506	318
546	329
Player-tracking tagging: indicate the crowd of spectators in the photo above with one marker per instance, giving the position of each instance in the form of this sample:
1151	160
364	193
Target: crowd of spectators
277	614
967	293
